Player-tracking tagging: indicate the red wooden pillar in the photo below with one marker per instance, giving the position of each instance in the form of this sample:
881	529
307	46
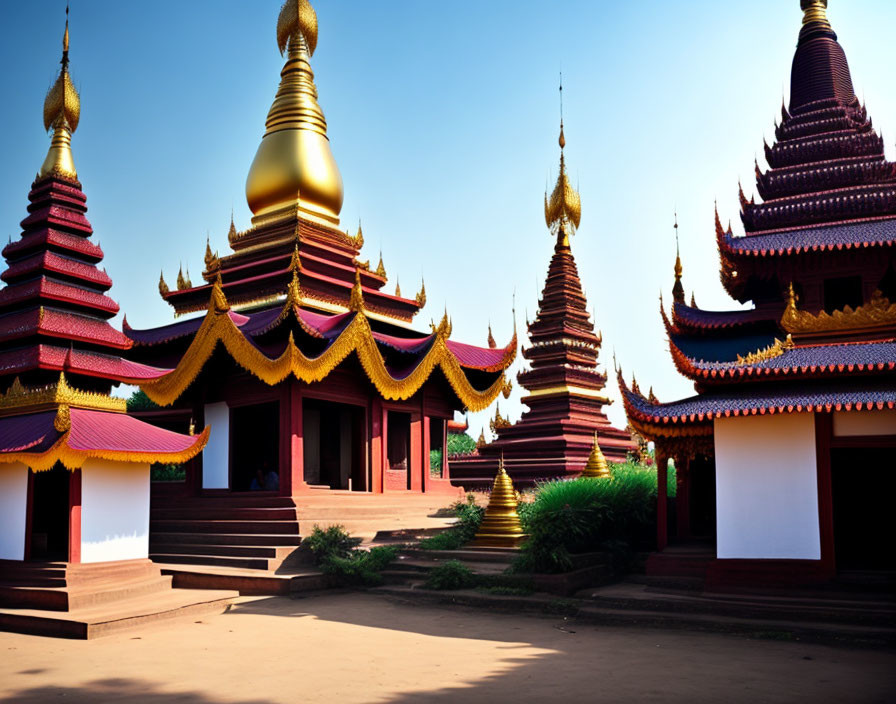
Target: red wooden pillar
292	472
444	426
662	480
377	445
683	497
427	448
416	466
74	516
824	431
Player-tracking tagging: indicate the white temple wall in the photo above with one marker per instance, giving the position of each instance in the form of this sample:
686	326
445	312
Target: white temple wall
216	455
853	423
13	510
114	511
767	487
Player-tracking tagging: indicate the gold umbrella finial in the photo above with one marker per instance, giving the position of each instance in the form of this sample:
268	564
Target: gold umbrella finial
62	113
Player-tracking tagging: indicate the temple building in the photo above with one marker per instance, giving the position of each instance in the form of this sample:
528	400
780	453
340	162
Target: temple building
74	467
565	399
785	455
307	370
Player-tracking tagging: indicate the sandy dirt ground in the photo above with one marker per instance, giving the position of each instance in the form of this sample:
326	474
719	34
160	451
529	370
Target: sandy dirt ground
365	648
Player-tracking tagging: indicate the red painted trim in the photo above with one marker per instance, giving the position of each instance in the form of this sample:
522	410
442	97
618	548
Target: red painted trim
377	444
29	513
74	516
824	430
733	575
662	479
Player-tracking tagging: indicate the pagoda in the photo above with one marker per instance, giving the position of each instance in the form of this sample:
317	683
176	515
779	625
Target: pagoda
794	411
309	373
74	467
554	437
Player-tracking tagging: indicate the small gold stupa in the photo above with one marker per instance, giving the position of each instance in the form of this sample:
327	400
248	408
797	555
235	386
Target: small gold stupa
596	467
500	527
62	112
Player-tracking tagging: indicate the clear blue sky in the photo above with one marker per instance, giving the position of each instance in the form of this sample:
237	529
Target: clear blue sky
443	118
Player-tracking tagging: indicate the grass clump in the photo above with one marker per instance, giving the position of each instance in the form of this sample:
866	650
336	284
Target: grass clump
451	574
506	591
330	542
361	568
585	515
469	516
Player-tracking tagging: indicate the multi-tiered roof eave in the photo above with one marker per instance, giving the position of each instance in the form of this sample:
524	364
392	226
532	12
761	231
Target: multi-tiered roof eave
59	354
827	209
286	339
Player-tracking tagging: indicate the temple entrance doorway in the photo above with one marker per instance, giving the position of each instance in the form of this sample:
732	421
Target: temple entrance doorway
334	445
702	509
398	444
863	480
255	447
50	515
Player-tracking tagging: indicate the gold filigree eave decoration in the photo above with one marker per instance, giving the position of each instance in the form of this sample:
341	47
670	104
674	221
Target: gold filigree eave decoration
357	338
878	312
19	398
71	458
776	349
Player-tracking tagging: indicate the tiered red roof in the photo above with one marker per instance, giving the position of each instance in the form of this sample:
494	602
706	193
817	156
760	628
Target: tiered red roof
826	219
54	309
555	436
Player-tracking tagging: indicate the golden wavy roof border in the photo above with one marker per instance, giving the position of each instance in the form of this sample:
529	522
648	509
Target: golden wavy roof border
878	312
73	459
357	337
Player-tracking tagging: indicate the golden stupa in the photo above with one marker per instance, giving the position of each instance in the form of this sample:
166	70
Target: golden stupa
294	167
596	467
500	527
62	111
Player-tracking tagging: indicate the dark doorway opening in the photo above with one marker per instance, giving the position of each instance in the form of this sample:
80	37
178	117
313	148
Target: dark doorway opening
842	292
334	445
437	448
50	514
398	443
255	447
703	497
862	484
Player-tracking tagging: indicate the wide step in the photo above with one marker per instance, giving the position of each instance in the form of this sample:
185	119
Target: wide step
247	563
252	539
216	526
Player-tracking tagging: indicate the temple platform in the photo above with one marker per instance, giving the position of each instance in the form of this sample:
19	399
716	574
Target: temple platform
66	600
252	543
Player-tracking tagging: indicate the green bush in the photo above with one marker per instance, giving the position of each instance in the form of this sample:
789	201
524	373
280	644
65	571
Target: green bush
167	473
330	542
361	568
451	574
469	516
139	401
585	515
460	444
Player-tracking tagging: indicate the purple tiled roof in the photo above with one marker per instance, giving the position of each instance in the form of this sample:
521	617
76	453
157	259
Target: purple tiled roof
698	318
850	356
877	233
875	394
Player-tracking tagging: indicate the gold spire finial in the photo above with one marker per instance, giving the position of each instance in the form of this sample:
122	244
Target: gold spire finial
217	302
294	156
358	239
596	467
481	442
815	12
677	288
420	298
397	288
563	208
491	338
163	287
62	112
500	527
380	268
232	234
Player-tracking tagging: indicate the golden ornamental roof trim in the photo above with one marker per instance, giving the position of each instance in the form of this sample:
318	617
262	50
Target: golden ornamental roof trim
20	399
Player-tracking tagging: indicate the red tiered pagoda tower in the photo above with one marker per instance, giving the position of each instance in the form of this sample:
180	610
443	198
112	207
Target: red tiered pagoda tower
794	412
307	370
74	468
555	436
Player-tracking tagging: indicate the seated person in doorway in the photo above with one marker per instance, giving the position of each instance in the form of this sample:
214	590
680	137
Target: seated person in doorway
265	479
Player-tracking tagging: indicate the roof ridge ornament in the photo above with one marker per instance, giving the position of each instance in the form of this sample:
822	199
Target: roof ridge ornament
217	302
356	300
